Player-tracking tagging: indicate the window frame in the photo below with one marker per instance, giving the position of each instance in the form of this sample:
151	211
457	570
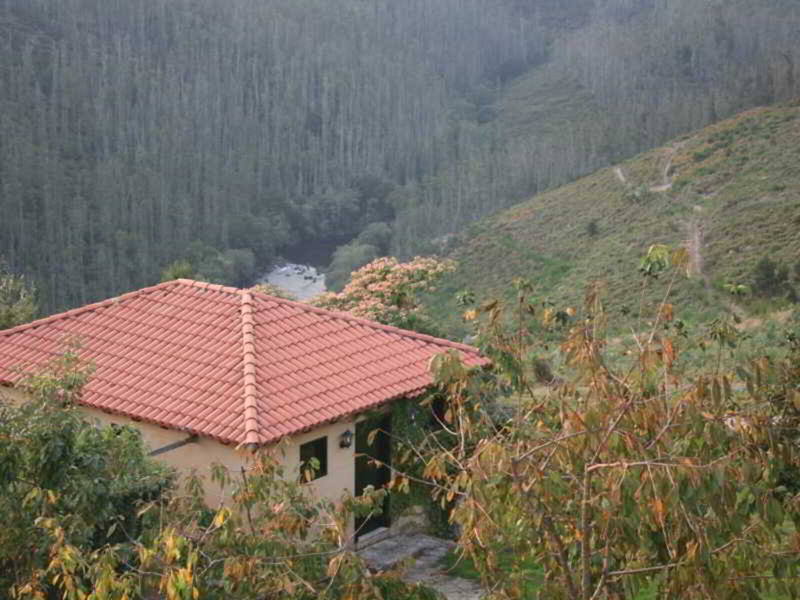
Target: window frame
316	448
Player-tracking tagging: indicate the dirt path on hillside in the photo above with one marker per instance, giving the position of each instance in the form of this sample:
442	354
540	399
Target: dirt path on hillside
666	177
695	241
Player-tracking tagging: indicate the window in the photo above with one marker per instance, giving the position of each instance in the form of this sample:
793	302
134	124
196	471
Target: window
314	459
438	412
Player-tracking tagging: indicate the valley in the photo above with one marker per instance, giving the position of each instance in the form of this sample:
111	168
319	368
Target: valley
515	281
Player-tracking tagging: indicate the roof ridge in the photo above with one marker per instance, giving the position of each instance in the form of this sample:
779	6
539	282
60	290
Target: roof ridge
374	324
116	300
252	434
204	285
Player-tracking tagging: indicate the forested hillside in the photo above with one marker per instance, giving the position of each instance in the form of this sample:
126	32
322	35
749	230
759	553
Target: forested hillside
729	193
628	75
135	133
131	129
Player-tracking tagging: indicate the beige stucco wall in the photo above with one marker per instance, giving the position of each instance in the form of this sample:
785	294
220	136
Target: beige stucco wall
203	453
341	461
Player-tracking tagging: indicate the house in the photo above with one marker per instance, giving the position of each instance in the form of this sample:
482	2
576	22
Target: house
203	369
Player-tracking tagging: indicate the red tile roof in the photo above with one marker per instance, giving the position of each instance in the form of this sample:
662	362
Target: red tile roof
235	365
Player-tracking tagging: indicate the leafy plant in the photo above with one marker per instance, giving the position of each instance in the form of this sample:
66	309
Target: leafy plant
770	278
17	299
85	517
56	466
623	478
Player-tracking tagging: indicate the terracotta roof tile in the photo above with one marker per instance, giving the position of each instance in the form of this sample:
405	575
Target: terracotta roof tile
235	365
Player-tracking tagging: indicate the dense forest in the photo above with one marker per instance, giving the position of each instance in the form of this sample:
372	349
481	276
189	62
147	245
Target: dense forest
137	133
634	75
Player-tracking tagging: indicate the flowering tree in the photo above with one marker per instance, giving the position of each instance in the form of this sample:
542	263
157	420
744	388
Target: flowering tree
386	291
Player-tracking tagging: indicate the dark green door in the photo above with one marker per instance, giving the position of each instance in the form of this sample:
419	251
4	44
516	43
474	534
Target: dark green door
368	473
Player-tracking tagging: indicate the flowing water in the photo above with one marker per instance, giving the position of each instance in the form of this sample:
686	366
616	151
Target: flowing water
300	273
302	281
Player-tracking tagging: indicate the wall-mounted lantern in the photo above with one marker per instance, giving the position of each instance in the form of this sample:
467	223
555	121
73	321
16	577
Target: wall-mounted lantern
346	439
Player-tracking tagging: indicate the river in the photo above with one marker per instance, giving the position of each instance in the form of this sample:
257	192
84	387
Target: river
302	281
301	271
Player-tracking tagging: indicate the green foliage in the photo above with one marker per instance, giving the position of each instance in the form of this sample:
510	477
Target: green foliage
638	194
347	259
232	267
702	155
262	236
461	565
770	278
239	266
238	151
738	221
55	465
17	299
180	269
648	475
274	539
85	515
442	114
377	235
412	424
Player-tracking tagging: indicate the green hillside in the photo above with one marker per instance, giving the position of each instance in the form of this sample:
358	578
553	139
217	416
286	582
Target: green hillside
730	191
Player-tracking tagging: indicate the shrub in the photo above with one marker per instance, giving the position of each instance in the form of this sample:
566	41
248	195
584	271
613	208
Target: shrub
770	278
701	155
378	235
17	299
180	269
346	259
624	478
56	465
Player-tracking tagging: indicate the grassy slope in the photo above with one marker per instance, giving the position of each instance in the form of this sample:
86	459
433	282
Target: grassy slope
738	181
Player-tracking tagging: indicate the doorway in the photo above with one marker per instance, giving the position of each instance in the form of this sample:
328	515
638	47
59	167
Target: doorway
368	473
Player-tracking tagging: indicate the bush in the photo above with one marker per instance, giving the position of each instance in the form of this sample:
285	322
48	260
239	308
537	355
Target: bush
73	525
17	303
55	464
378	235
180	269
263	236
642	475
346	259
771	278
